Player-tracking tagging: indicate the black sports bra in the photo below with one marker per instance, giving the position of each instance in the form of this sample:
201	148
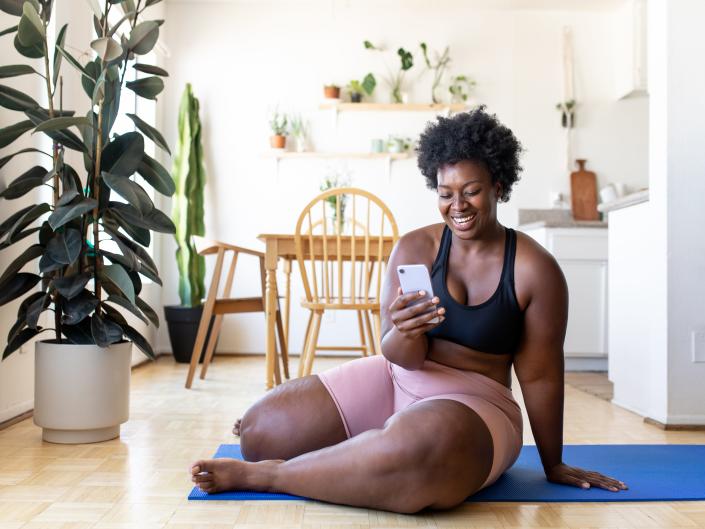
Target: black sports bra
494	326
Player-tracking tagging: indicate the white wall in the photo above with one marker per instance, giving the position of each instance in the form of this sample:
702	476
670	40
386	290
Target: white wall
245	57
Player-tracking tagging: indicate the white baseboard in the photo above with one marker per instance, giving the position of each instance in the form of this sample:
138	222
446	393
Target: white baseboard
16	410
585	363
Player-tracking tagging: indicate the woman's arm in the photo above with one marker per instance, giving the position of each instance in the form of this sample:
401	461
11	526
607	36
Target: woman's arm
404	341
539	366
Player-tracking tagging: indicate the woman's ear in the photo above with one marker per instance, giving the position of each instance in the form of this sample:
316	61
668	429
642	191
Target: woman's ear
498	190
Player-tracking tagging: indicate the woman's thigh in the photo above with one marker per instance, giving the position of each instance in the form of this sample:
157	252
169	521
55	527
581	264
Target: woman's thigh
296	417
448	447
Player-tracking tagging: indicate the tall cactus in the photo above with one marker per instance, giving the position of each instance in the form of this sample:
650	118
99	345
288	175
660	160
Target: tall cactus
187	211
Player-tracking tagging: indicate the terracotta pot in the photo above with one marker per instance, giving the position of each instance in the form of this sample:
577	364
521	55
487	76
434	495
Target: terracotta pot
331	92
277	141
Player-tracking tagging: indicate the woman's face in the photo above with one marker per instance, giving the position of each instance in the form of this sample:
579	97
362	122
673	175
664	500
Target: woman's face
467	199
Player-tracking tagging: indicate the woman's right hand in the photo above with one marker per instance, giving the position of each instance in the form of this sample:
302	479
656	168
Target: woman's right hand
411	321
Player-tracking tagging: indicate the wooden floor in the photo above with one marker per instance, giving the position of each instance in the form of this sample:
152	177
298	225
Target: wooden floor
140	481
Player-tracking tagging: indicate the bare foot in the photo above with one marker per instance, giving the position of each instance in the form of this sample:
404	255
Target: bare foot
218	475
236	427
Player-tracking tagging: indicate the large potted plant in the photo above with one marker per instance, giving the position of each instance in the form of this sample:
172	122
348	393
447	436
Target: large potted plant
188	216
93	233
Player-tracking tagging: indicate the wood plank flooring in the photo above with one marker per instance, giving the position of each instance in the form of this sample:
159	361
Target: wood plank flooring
140	481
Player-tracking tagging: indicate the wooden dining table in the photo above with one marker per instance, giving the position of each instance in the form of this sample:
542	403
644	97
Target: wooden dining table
282	247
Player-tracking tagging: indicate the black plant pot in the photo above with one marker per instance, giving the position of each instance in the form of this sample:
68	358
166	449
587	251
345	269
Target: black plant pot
355	97
182	323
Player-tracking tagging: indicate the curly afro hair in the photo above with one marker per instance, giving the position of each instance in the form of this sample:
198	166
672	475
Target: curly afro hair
476	136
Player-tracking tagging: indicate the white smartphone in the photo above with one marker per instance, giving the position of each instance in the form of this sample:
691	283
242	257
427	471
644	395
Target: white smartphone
413	278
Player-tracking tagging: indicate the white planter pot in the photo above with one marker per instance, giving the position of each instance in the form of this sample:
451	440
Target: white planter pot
81	392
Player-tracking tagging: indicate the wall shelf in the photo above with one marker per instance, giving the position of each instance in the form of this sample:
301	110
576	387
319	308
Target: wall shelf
394	107
388	157
356	155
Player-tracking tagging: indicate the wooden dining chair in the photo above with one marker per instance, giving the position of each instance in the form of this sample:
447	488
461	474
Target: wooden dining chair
342	262
220	305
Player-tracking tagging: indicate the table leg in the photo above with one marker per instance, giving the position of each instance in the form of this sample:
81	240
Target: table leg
287	299
270	264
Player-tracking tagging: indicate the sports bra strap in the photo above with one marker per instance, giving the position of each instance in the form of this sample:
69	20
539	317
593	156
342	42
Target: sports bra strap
443	249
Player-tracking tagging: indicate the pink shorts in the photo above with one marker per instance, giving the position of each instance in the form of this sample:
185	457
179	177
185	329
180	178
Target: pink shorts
369	390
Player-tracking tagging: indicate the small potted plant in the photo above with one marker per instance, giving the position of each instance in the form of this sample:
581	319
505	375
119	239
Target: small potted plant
567	109
278	124
395	80
298	130
439	66
460	88
398	144
331	91
357	89
336	178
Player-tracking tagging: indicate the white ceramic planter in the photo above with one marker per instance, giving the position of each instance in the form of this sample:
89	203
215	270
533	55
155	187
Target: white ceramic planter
81	392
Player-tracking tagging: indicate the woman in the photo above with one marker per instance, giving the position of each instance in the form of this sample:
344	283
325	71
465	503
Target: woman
433	420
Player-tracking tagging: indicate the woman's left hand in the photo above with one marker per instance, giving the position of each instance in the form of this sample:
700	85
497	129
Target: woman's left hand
577	477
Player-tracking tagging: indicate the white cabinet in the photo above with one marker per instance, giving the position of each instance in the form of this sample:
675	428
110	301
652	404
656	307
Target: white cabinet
629	49
582	255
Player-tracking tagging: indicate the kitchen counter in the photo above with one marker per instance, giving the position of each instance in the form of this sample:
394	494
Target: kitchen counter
625	201
554	218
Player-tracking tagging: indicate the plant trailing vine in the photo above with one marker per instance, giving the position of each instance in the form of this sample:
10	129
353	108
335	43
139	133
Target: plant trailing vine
439	66
79	278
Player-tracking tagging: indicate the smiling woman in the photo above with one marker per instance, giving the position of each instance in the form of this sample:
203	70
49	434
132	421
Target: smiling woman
433	418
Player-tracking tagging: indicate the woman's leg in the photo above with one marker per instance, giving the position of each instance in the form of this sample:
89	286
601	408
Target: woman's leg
432	454
296	417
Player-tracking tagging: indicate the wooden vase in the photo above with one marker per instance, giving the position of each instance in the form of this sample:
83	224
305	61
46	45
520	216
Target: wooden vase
583	193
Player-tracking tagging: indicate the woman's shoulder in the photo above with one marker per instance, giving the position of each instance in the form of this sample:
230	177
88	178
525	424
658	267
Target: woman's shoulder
420	244
534	264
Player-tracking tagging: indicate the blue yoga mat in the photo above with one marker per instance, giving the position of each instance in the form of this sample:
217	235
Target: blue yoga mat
652	473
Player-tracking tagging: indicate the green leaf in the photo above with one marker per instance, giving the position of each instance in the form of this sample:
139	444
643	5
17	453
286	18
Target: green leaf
147	87
27	181
25	257
22	338
35	51
125	304
31	28
77	308
117	275
35	309
71	286
17	285
80	333
123	154
12	7
149	131
116	26
141	235
143	37
63	123
104	331
152	2
150	69
5	159
114	315
60	38
67	197
11	133
28	215
64	137
15	100
65	247
92	70
136	338
369	83
156	175
12	219
153	220
125	244
73	61
64	214
14	70
107	48
148	311
8	30
47	264
130	191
